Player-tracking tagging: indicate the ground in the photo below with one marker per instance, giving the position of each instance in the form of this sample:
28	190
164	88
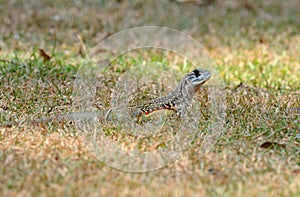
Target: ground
255	46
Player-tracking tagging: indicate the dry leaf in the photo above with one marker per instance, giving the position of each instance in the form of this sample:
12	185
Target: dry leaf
250	6
44	55
272	145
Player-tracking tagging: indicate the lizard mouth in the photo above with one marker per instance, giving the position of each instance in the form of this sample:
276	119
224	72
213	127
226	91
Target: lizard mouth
199	76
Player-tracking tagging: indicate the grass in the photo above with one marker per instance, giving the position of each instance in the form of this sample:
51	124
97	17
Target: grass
255	43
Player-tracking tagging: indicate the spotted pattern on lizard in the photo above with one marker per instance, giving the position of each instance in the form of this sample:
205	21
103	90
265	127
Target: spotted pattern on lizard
180	98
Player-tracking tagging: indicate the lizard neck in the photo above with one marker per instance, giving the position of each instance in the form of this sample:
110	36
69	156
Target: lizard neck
186	91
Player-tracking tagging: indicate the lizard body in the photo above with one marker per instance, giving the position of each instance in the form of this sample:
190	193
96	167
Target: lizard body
178	101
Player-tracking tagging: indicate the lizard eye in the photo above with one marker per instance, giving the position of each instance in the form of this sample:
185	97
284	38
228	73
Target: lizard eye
192	77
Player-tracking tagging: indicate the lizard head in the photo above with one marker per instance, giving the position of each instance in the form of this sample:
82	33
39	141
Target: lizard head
189	85
198	77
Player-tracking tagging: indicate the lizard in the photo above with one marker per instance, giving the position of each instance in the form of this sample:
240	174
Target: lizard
178	100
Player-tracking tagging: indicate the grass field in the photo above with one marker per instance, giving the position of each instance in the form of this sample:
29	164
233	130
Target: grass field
255	46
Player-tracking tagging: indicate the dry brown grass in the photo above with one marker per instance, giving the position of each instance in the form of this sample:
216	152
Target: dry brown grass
256	43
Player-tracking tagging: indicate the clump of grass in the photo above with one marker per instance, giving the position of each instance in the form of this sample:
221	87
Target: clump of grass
33	87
